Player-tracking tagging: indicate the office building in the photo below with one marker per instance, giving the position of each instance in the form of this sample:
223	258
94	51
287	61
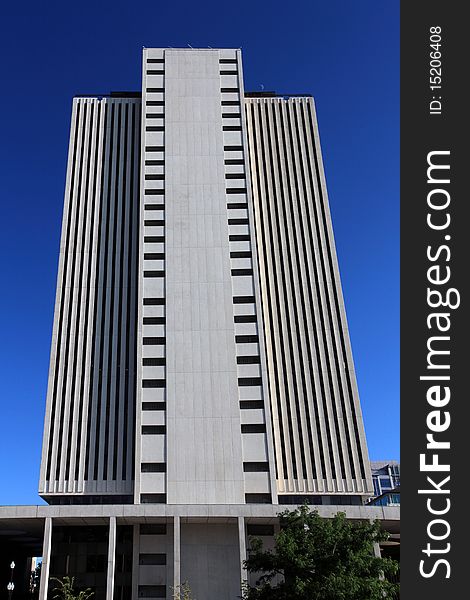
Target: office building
201	375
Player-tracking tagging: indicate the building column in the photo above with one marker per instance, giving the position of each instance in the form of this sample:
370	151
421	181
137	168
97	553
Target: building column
46	559
111	559
242	544
176	553
135	561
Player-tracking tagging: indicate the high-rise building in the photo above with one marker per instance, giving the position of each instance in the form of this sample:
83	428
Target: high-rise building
201	373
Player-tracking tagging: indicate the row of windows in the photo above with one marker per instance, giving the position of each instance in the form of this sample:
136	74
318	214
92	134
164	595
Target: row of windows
160	206
228	72
154	273
160	406
155	72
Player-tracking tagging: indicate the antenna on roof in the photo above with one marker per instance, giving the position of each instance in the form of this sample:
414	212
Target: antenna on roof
190	46
262	87
210	47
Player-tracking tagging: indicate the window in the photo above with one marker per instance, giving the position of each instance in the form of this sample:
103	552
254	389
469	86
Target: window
151	591
228	73
156	177
154	256
153	406
238	221
243	299
154	222
235	176
253	428
154	206
235	190
154	192
154	301
228	61
231	128
154	163
153	341
249	381
152	559
242	254
237	205
259	529
153	499
246	339
153	529
154	273
155	467
239	237
154	148
233	148
234	161
153	429
154	362
241	272
244	318
258	498
155	128
154	239
156	72
255	467
229	90
154	320
249	360
150	90
251	404
155	103
153	383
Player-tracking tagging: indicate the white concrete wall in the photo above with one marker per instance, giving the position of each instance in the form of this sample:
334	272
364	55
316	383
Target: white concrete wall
203	417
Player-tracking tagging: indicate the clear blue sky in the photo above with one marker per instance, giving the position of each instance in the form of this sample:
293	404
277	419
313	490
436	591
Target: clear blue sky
345	53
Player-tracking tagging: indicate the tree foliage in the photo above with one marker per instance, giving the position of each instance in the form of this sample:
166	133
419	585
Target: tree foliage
321	559
65	590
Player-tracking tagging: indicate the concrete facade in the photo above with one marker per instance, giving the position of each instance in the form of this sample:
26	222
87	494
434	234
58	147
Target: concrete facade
201	376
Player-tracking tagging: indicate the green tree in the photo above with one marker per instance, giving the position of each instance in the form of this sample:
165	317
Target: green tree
321	559
65	590
183	592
